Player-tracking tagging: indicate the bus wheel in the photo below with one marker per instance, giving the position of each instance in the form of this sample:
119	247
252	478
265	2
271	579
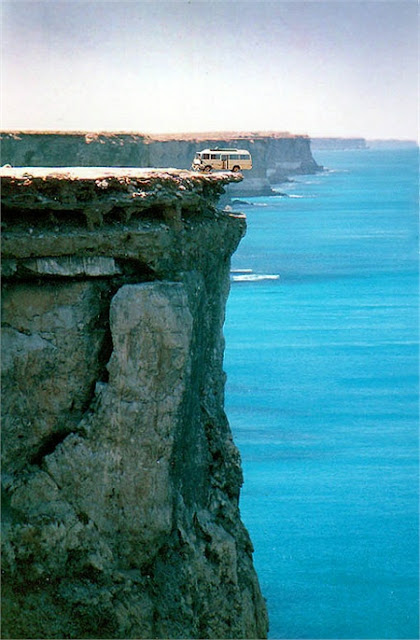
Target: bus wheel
207	169
236	168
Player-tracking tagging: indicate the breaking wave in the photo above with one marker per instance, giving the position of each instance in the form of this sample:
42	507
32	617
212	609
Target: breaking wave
246	275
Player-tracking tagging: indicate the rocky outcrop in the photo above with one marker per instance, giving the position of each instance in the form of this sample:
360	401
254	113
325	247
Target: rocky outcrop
276	155
120	477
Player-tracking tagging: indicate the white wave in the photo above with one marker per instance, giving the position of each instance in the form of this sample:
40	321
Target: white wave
295	195
254	277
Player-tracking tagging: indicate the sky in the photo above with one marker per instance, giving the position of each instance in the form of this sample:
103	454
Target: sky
322	68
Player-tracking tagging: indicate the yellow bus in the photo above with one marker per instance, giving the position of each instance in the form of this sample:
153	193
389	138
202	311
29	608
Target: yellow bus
222	159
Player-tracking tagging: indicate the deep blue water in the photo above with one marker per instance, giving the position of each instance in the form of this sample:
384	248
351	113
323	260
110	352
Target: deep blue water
322	397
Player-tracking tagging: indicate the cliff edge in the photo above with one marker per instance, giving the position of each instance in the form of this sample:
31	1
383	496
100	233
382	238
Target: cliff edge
120	477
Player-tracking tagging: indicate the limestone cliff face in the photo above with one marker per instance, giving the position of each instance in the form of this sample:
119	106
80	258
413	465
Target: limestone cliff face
275	155
120	477
289	156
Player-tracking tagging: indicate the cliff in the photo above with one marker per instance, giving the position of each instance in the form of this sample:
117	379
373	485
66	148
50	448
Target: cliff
337	144
392	144
120	477
275	155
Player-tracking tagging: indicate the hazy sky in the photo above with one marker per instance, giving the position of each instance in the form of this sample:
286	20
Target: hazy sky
336	68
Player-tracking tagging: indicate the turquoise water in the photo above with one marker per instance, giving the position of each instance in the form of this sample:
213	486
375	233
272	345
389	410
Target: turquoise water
322	397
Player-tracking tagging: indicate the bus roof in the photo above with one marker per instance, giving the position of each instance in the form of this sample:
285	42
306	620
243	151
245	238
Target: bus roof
230	150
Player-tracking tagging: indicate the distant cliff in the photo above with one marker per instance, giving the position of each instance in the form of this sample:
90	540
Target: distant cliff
120	477
392	144
337	144
275	155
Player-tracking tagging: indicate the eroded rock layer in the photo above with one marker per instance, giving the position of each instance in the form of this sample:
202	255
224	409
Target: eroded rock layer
120	477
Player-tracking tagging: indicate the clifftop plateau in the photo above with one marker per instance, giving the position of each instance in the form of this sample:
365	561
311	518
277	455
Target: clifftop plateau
120	477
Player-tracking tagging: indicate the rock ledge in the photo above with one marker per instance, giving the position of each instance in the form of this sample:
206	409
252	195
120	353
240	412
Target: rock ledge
99	191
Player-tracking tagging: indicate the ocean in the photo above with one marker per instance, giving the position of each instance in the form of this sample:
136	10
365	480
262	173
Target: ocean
322	396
